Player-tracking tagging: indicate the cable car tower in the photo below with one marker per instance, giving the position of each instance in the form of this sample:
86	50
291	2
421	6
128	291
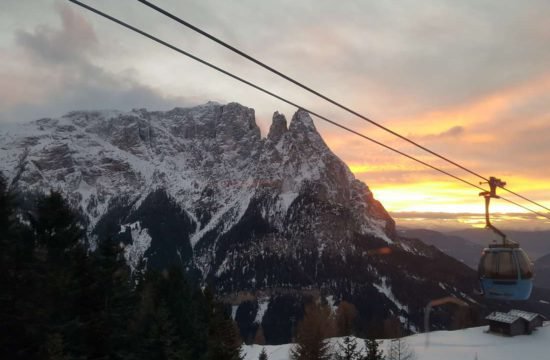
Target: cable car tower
505	270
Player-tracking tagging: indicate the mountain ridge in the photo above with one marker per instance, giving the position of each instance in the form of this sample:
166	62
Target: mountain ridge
459	248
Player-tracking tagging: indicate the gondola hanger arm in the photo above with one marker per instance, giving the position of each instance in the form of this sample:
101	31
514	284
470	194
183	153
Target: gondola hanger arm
492	194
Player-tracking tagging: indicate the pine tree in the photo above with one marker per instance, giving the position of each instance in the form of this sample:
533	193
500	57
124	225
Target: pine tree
63	270
347	349
198	310
16	248
259	338
400	350
38	308
263	355
392	327
104	301
55	348
164	338
6	212
224	342
7	253
373	350
17	295
157	325
346	313
312	333
56	225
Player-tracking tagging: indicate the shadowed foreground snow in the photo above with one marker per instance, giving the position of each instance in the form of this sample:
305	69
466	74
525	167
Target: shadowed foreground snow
452	345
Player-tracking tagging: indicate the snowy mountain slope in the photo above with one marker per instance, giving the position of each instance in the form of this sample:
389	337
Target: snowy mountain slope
466	344
270	222
210	160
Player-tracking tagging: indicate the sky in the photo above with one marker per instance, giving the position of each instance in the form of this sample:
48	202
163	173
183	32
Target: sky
469	79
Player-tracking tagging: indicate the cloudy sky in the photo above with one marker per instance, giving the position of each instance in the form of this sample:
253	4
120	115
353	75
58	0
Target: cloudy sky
469	79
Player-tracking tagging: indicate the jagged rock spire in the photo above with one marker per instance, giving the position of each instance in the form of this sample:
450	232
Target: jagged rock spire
302	121
278	127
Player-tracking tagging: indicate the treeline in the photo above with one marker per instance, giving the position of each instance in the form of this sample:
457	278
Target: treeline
59	300
320	324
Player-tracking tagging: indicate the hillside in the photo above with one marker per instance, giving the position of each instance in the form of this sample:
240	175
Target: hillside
459	248
466	344
535	243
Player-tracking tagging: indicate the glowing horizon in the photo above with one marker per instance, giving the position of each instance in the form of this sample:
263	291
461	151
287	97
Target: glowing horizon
442	203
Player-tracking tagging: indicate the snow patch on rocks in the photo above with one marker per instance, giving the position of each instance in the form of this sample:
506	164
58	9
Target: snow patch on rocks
141	241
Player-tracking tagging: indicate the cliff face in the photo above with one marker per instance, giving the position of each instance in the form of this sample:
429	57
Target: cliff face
268	221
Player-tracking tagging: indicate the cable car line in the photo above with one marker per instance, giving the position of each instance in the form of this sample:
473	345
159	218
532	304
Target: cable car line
524	198
259	88
324	97
524	207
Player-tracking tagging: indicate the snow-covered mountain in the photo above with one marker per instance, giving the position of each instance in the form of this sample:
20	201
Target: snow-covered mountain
268	222
210	161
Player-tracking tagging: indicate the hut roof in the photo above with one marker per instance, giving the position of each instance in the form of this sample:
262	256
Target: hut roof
529	316
503	317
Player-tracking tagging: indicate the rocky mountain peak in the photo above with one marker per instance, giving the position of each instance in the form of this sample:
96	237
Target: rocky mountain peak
237	121
278	127
303	133
302	122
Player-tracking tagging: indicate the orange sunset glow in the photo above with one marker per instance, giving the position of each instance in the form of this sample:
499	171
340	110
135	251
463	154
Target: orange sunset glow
482	135
486	134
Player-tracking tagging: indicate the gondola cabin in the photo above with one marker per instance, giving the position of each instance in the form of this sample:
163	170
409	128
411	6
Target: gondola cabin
506	272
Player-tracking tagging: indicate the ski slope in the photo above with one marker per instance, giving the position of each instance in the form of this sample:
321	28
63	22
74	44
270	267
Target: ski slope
472	343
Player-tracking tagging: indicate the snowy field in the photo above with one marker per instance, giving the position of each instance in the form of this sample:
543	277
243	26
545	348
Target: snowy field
473	343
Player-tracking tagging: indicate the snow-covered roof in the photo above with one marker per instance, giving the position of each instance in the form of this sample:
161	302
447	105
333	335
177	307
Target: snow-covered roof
529	316
502	317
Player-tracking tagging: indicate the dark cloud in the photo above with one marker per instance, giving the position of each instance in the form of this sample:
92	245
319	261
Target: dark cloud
61	63
452	132
74	41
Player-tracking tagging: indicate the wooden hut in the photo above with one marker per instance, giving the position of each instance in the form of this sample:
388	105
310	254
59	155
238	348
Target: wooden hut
507	324
533	320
